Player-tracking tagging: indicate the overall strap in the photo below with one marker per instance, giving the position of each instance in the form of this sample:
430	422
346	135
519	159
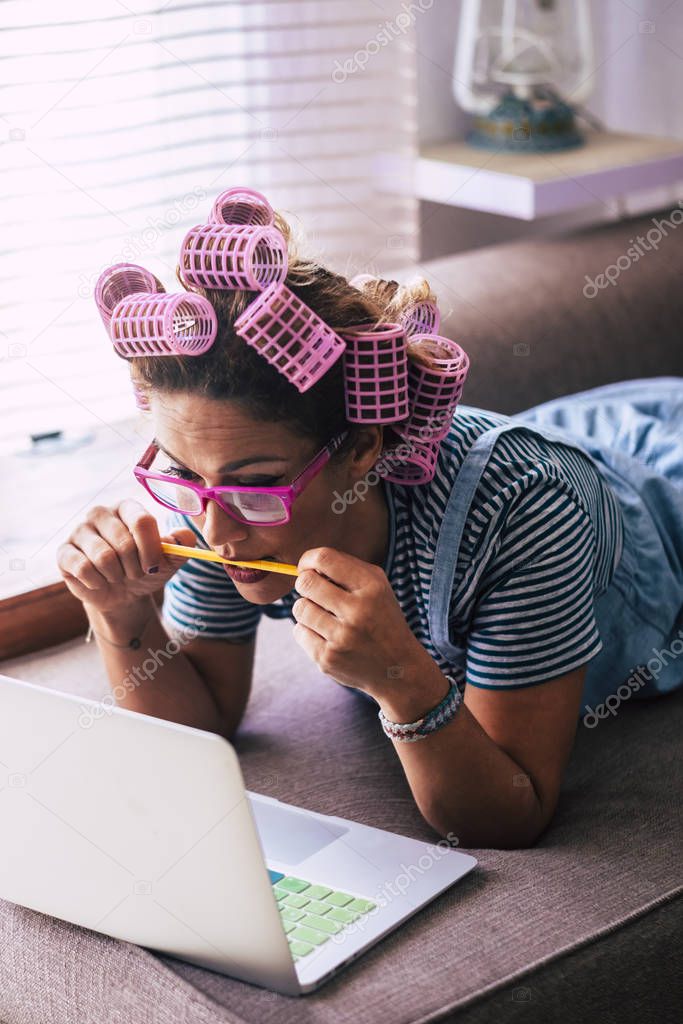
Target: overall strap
453	523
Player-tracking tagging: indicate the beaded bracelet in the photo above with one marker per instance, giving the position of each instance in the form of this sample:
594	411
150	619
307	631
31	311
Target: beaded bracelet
439	716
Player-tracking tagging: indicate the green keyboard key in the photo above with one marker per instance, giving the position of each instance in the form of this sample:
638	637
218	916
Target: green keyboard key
316	906
292	884
341	914
323	924
311	913
318	892
292	914
308	934
300	948
339	899
292	900
362	906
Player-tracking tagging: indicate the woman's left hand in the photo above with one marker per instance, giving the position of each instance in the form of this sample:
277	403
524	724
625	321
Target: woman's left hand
350	623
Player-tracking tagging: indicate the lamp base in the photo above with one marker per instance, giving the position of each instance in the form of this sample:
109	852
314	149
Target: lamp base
537	125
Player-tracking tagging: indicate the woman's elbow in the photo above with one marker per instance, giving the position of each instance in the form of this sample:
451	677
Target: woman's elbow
491	830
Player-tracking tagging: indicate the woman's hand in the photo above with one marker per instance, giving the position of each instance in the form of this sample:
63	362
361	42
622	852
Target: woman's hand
350	623
106	561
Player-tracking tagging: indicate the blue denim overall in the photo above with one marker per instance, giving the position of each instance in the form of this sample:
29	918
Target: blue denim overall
634	432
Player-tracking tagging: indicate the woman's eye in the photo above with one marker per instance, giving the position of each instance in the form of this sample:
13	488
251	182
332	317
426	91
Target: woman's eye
183	474
269	482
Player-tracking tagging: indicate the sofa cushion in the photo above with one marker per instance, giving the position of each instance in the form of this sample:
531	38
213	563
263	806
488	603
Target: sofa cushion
608	865
531	334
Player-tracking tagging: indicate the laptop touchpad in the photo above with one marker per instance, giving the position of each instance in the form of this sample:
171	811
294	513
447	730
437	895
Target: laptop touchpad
290	835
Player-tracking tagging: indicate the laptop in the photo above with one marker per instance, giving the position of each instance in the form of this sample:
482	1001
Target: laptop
142	829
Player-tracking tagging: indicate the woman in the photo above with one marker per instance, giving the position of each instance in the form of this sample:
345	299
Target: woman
524	584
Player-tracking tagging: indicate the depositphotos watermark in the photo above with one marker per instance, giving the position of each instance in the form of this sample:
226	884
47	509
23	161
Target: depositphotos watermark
637	679
144	241
138	675
640	245
398	886
387	33
384	465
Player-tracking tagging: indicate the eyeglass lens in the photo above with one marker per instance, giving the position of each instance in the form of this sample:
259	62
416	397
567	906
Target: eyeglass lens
249	506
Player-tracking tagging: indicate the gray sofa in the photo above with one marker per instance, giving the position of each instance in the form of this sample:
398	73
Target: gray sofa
581	926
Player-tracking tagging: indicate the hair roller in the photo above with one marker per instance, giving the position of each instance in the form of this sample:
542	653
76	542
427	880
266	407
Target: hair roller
376	374
119	280
286	332
421	317
437	368
231	256
181	324
417	465
242	206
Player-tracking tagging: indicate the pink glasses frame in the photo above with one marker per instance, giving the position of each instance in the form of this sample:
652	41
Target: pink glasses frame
286	493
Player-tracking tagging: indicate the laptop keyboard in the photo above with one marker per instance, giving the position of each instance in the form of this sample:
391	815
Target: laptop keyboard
311	913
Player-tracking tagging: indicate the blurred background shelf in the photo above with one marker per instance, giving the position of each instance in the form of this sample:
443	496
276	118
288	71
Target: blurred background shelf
608	167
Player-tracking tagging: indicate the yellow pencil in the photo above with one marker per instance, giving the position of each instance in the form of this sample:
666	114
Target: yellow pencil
212	556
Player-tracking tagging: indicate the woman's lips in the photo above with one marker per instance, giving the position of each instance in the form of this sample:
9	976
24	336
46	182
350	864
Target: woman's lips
237	572
243	575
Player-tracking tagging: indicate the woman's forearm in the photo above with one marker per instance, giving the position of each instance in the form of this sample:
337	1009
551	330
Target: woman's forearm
157	678
461	780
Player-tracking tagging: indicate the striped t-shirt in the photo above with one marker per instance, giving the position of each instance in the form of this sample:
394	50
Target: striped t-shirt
541	541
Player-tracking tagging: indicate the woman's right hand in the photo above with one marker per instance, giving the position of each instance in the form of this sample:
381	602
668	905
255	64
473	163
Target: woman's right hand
106	560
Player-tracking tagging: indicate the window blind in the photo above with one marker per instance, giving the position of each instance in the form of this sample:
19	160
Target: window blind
120	126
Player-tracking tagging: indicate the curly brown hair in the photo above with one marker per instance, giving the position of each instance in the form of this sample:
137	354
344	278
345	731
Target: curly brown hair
232	370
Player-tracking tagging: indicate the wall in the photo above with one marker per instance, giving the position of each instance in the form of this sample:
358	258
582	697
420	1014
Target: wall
638	88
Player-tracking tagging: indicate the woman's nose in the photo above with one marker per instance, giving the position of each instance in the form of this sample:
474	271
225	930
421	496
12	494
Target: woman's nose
219	528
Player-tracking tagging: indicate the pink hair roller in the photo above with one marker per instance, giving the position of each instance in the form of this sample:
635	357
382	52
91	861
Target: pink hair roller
376	374
181	324
241	206
118	281
234	256
416	467
421	317
437	368
286	332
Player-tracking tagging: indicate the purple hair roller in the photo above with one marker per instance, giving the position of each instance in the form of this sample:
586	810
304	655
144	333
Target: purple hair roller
181	324
286	332
233	257
120	280
437	368
421	317
376	374
416	466
242	206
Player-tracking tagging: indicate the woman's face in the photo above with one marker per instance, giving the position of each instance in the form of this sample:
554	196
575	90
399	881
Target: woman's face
205	436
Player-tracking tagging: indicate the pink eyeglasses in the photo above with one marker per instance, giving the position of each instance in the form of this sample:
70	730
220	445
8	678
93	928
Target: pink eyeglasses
256	506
